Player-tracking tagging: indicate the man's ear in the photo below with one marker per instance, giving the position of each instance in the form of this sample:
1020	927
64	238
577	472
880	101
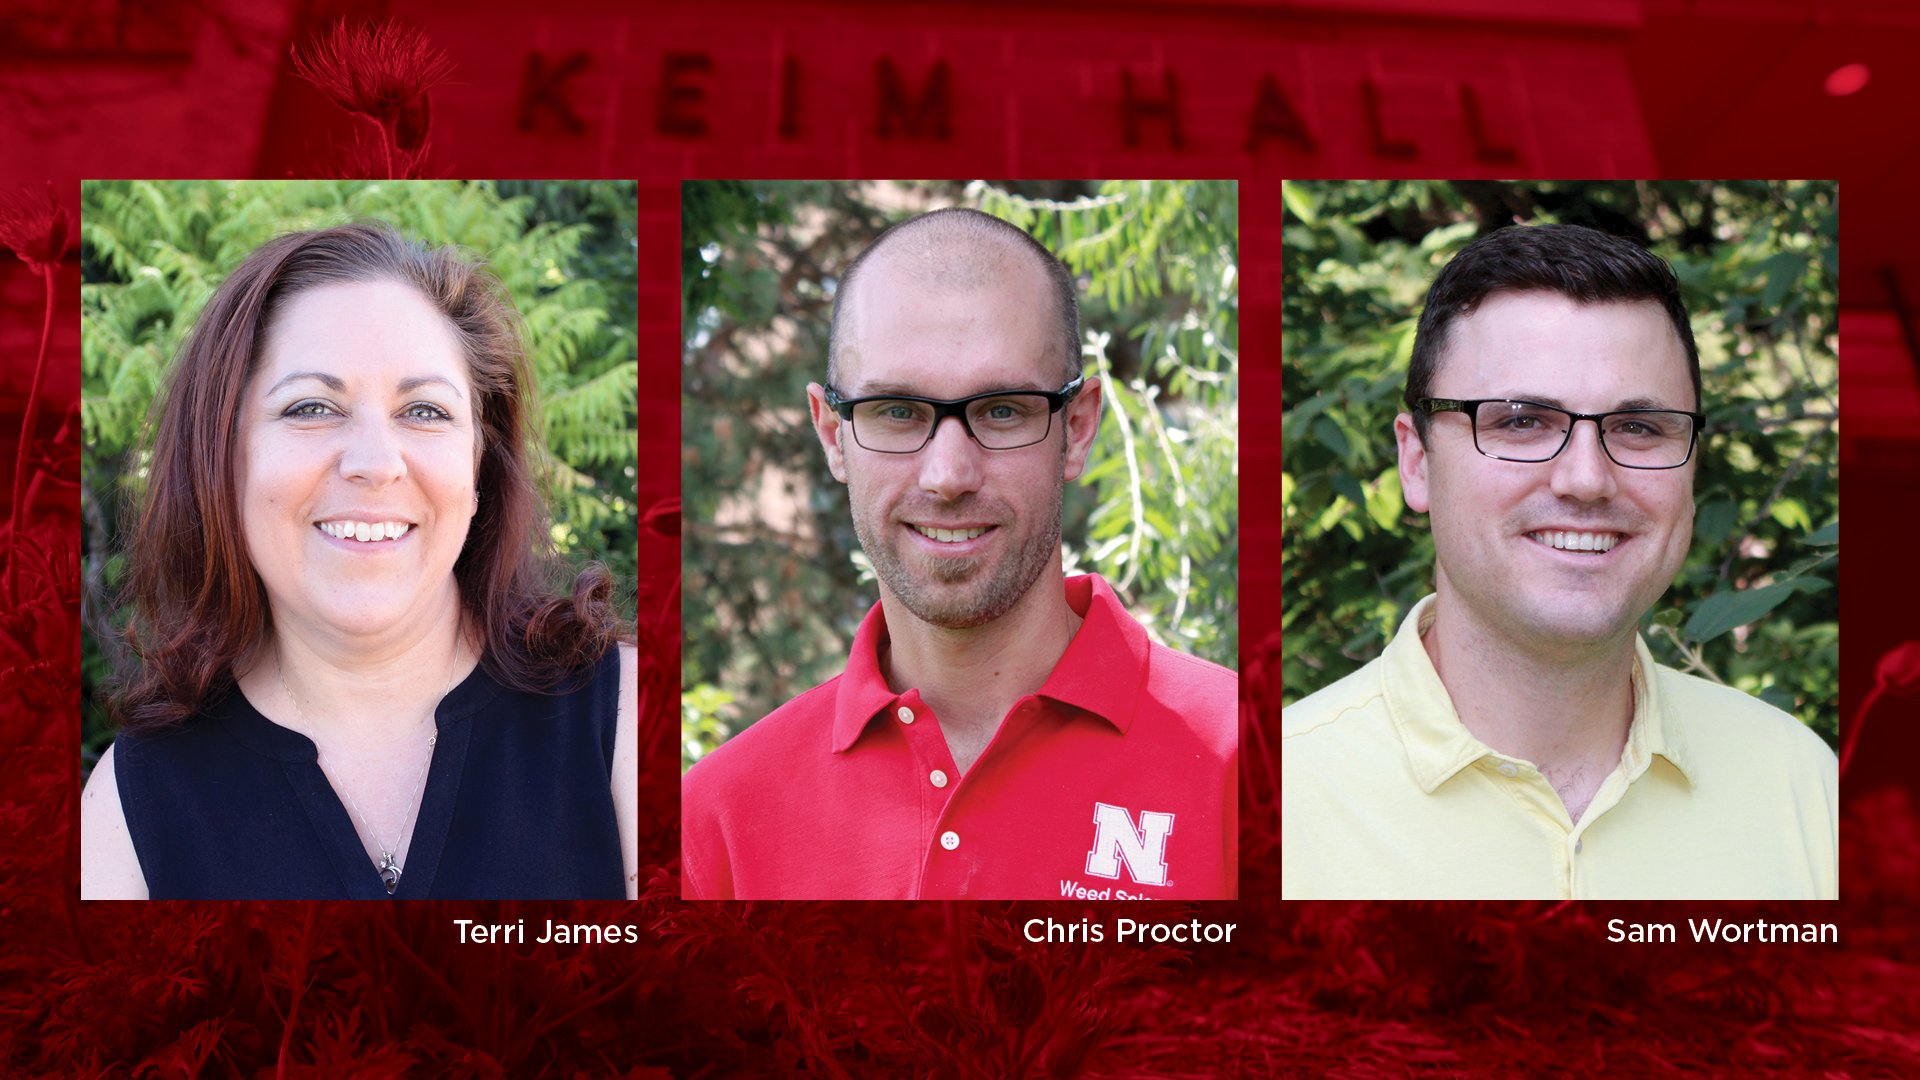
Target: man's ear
826	425
1413	463
1081	416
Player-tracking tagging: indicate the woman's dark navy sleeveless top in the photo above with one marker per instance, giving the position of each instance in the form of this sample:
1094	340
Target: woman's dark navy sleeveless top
517	804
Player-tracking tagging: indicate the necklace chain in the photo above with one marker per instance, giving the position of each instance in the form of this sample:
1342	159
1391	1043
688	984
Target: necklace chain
389	866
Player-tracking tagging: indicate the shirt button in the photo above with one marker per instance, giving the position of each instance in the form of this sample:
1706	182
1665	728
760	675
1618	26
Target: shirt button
906	715
1577	845
939	780
949	840
1509	769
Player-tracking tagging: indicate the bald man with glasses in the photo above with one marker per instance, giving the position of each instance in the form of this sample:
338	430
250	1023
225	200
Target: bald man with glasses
1002	731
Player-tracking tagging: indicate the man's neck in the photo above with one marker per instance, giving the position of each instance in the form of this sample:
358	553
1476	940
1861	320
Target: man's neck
972	677
1566	710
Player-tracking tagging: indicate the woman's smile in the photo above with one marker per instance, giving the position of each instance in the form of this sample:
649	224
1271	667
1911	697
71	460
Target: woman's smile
366	534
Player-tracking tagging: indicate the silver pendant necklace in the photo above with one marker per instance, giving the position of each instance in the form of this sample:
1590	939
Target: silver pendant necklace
389	865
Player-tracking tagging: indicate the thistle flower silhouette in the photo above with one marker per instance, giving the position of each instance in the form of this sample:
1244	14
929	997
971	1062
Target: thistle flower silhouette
382	72
37	232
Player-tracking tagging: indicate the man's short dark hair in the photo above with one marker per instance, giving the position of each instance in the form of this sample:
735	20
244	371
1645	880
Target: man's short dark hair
1585	265
981	238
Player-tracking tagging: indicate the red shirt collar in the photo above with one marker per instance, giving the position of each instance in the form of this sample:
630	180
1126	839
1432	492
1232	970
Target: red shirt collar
1101	672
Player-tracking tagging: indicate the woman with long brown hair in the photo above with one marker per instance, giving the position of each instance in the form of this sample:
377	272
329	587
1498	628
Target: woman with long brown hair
356	679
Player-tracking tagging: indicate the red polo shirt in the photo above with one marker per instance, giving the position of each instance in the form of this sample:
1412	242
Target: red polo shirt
1117	779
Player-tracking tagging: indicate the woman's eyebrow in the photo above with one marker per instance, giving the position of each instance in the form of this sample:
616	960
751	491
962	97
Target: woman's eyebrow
333	382
409	385
339	385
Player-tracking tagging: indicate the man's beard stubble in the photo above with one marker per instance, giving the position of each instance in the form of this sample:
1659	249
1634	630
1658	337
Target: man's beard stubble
995	588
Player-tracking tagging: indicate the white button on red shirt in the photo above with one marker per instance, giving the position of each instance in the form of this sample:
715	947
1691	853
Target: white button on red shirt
939	778
949	840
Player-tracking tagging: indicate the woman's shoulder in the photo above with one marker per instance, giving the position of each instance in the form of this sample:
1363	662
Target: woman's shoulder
587	703
224	733
598	676
109	867
205	732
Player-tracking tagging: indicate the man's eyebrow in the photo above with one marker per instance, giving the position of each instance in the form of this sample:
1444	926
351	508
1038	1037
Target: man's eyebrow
894	389
1644	403
1619	406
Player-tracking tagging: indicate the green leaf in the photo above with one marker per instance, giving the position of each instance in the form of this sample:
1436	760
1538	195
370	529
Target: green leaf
1712	522
1783	272
1099	472
1295	419
1349	487
1778	697
1825	534
1334	439
1403	348
1299	200
1448	236
1811	562
1791	514
1363	640
1726	610
1385	500
1159	523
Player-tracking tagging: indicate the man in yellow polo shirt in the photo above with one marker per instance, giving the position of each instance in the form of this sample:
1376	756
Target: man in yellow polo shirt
1516	740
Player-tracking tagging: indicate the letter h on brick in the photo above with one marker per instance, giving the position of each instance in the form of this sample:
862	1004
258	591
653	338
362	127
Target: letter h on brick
1117	840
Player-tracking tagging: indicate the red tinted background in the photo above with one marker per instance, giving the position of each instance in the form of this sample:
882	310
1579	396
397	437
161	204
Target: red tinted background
1239	88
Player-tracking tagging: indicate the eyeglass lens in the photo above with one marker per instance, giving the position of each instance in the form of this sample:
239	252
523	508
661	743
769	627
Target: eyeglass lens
1518	431
1002	422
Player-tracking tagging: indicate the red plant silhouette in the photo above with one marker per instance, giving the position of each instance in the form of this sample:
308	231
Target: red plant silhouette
382	72
40	633
37	232
1897	674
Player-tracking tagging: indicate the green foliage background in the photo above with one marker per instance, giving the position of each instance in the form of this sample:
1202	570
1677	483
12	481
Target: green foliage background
153	252
776	584
1755	605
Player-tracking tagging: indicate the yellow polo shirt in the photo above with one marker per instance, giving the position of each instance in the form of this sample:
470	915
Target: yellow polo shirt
1386	796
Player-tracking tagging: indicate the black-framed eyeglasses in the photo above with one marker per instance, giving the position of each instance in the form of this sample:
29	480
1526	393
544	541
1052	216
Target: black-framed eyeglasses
998	420
1529	431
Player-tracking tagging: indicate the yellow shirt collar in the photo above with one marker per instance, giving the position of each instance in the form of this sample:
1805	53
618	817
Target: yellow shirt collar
1439	745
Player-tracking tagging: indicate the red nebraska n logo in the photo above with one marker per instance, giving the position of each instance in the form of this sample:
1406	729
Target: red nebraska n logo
1143	849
